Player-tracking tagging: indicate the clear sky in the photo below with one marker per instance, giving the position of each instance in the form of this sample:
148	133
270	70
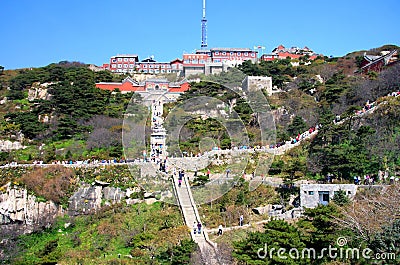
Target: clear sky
37	33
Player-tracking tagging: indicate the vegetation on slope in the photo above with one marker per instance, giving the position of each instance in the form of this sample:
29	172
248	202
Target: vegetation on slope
120	234
75	110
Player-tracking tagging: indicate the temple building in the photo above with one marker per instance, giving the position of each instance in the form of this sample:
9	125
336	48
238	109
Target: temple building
281	52
150	89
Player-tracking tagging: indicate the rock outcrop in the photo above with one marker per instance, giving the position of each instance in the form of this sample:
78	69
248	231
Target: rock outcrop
6	145
19	207
24	212
39	91
89	198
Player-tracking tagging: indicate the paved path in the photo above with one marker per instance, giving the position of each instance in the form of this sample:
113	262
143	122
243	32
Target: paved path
191	217
183	192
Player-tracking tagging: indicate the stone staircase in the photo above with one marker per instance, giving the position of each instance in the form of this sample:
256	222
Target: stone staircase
183	193
191	216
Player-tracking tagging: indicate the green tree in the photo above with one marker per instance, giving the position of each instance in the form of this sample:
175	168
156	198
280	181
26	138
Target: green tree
278	234
50	154
297	126
319	227
388	241
340	198
179	254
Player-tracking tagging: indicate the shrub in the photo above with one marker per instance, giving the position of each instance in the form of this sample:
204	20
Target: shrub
51	183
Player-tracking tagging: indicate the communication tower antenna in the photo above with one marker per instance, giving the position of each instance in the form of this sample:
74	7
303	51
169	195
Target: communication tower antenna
204	27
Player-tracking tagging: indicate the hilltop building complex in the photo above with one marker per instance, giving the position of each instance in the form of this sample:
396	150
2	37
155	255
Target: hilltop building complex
129	63
203	61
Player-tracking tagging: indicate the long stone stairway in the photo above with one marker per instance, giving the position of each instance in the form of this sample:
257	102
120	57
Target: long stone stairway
191	216
183	193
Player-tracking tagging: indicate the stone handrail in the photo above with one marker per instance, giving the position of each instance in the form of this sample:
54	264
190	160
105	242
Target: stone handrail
196	212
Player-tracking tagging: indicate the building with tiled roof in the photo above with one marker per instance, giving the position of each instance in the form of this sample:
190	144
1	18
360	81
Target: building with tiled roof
377	62
129	63
281	52
216	60
131	85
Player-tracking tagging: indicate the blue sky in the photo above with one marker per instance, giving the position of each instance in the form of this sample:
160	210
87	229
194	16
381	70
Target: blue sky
37	33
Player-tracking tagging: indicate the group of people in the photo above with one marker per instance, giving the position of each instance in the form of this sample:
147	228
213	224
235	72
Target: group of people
298	138
368	106
197	228
382	177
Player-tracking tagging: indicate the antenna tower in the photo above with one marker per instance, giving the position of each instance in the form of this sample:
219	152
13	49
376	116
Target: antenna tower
204	27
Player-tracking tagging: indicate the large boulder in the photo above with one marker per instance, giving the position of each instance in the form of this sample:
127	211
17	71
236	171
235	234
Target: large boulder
262	210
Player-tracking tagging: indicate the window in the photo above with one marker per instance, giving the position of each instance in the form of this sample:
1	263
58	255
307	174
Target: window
311	192
231	53
217	61
224	53
162	66
202	61
114	66
119	65
216	53
150	66
323	197
131	59
125	59
246	54
119	59
131	66
126	66
144	66
195	61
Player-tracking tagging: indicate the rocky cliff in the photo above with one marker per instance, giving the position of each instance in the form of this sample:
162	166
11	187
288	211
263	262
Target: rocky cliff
25	211
19	207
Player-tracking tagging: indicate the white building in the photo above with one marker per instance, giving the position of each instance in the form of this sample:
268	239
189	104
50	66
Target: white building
311	195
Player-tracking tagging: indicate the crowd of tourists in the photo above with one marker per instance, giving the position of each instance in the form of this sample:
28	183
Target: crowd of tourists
295	139
381	178
370	106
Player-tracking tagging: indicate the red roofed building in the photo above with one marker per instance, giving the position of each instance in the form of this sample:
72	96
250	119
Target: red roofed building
376	63
281	52
130	85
